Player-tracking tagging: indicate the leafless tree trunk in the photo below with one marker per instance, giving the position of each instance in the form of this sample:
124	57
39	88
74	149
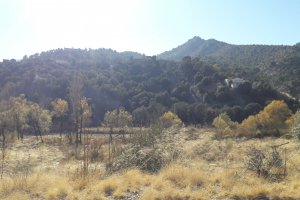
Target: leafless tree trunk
75	96
3	150
110	147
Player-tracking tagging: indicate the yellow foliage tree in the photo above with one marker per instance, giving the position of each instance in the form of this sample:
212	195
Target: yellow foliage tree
117	118
273	119
85	113
169	119
19	109
60	108
248	127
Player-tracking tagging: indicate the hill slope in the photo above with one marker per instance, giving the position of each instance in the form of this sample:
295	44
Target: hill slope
244	54
194	47
277	63
192	88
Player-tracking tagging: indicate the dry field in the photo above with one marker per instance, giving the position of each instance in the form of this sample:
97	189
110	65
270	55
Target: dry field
206	169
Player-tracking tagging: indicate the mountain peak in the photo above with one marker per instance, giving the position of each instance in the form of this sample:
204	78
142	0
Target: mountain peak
193	47
195	38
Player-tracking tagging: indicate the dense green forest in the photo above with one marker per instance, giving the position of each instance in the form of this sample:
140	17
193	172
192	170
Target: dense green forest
194	88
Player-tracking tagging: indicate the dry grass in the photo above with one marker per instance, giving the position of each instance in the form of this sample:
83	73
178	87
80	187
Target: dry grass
183	177
207	169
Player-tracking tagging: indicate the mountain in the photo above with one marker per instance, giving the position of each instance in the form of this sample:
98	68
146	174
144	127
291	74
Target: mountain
280	64
194	47
248	55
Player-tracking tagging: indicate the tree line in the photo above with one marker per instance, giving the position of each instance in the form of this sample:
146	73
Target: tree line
192	88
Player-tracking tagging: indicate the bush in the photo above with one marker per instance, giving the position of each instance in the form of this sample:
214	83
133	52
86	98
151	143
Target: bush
149	151
145	159
269	165
169	119
224	125
248	127
95	150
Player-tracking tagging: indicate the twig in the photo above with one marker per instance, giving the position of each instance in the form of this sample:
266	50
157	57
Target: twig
278	145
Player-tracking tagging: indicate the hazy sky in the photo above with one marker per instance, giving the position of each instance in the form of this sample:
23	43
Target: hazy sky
145	26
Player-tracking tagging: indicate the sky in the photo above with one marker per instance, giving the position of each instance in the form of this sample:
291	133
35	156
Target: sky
145	26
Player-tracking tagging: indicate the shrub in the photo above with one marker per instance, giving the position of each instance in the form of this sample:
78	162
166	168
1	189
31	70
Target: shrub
248	127
269	165
149	151
169	119
95	150
224	125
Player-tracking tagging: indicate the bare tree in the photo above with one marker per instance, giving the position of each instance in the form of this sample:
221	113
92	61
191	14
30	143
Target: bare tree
84	117
4	125
75	97
118	118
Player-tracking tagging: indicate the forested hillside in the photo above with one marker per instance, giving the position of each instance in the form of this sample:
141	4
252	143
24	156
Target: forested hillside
278	63
196	89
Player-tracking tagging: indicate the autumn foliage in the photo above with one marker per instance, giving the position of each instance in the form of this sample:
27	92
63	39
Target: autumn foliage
117	118
169	119
271	121
224	126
